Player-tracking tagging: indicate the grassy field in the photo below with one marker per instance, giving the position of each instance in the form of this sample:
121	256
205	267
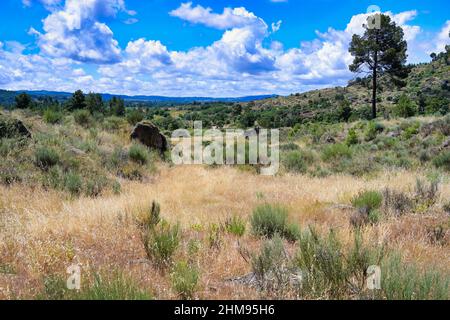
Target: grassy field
223	232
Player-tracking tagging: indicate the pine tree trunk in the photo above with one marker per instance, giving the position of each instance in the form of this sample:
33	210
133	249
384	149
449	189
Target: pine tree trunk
374	87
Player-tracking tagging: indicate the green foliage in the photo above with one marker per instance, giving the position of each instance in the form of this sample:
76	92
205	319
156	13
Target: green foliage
46	157
405	107
331	272
372	130
52	115
443	160
82	117
336	151
405	282
235	225
94	103
134	116
272	267
113	287
117	106
352	138
378	49
139	154
23	101
294	161
215	236
268	220
370	200
73	183
77	101
161	242
184	279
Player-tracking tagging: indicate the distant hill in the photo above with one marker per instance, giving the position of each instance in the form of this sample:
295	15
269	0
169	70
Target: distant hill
426	81
7	97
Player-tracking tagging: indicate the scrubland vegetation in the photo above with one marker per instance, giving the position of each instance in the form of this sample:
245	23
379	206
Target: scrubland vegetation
352	192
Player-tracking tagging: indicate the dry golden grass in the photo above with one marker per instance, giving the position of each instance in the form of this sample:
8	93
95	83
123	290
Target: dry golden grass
41	232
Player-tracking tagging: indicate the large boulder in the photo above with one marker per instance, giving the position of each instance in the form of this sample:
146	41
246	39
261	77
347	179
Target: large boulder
149	135
13	128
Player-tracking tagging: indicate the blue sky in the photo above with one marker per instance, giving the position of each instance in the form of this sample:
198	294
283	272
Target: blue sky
206	48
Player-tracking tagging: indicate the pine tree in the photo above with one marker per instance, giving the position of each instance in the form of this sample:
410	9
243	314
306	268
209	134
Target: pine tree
380	50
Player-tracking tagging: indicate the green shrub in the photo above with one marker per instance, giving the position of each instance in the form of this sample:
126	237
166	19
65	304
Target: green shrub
268	220
289	147
82	117
400	281
297	161
73	183
215	236
292	232
184	279
372	130
135	116
161	242
52	116
336	151
405	107
55	288
442	160
115	287
352	138
139	154
154	216
370	200
95	185
331	272
272	266
46	157
235	225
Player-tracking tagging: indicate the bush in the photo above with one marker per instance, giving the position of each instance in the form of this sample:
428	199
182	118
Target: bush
184	279
405	282
372	130
398	202
352	138
52	116
117	287
272	267
268	220
73	183
235	225
289	147
329	271
298	161
46	158
139	154
369	200
135	116
95	185
442	161
161	242
82	117
215	236
405	107
336	151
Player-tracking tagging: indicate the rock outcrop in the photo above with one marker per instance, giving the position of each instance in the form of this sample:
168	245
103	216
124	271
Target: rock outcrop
149	135
13	128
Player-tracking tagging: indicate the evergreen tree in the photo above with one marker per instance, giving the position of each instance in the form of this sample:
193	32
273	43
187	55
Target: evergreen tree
23	101
380	50
78	101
